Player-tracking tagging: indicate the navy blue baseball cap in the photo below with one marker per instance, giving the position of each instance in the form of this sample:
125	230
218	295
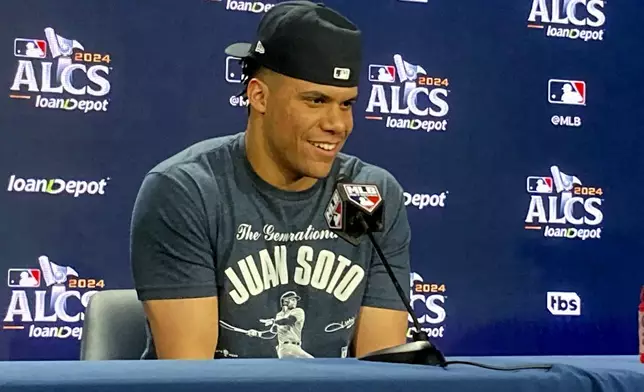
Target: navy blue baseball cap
307	41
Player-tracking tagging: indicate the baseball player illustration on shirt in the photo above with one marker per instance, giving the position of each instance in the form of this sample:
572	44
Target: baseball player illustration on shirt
286	325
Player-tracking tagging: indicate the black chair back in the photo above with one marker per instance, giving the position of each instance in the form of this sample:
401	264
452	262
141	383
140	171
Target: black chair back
114	327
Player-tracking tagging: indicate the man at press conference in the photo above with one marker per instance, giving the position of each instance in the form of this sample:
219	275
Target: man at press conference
230	250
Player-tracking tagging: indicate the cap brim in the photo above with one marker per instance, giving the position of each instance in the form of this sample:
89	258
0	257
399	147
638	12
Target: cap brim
239	49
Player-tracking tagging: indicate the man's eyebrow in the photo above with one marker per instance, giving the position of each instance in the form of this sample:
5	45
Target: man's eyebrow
314	94
318	94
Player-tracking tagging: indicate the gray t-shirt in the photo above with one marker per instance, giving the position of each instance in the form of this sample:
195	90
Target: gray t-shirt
205	224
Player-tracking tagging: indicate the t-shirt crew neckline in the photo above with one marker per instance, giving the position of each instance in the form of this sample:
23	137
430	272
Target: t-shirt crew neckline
268	188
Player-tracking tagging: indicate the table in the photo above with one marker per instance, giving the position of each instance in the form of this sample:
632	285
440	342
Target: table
569	374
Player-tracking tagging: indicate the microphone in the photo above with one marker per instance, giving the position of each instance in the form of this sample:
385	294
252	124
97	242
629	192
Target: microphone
352	206
353	211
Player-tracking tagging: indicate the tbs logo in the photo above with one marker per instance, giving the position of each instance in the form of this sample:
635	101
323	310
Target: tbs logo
564	304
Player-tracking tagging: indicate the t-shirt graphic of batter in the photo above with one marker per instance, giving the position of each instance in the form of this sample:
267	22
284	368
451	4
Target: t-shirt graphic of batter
286	325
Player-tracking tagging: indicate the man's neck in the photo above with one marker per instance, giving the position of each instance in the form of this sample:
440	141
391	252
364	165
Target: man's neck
269	169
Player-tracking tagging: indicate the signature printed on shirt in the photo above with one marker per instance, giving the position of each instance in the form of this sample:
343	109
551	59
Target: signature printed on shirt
346	324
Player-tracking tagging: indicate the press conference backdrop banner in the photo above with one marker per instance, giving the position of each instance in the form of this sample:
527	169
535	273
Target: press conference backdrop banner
514	127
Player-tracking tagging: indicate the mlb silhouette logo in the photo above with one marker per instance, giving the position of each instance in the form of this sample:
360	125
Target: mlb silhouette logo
382	73
539	184
23	277
367	202
333	213
336	217
366	197
233	70
30	48
341	73
567	92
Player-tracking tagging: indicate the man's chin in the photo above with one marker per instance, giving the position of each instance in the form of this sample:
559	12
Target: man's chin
319	170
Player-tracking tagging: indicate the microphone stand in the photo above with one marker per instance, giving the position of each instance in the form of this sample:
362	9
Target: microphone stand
420	351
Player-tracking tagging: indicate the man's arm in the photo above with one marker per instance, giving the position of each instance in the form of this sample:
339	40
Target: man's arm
382	321
290	320
379	328
173	267
295	316
184	328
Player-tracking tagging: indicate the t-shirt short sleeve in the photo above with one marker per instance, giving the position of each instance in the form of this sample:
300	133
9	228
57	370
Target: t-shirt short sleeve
170	249
394	242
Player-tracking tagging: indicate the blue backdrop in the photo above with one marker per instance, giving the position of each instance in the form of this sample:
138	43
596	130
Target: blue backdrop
514	126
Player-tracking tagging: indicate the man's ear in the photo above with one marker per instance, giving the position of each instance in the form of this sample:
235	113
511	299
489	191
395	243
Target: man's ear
257	93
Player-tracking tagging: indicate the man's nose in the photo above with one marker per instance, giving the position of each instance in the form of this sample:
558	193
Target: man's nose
335	120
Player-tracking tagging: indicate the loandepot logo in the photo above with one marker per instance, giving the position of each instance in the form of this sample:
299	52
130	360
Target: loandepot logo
48	302
404	96
56	186
256	7
58	73
423	200
572	19
562	207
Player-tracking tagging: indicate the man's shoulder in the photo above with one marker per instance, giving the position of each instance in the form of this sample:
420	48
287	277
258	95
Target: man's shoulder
203	159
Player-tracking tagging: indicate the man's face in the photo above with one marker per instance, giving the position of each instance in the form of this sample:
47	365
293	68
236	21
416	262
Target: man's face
307	124
290	303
